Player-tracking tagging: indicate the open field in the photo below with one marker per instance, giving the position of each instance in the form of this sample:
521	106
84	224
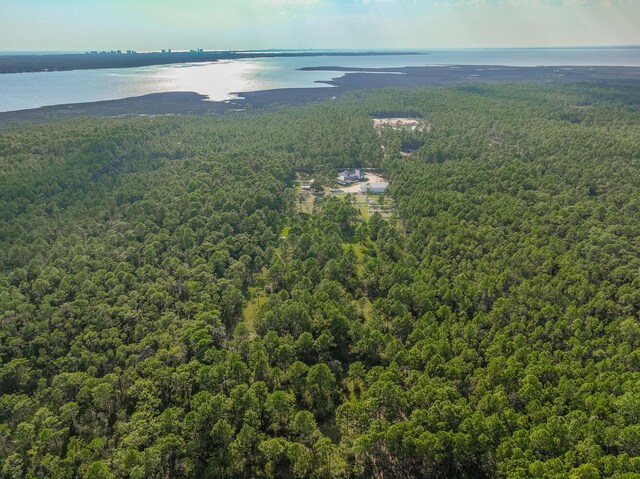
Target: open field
365	204
369	204
386	209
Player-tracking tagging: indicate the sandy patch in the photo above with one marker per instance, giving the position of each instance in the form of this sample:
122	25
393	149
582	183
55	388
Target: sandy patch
401	124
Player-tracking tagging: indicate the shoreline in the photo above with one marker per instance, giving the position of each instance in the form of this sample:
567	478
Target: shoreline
191	103
14	64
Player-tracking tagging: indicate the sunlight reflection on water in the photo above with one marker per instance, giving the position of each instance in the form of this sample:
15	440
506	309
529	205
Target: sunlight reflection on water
219	80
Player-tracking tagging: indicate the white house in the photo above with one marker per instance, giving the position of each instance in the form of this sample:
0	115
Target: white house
350	176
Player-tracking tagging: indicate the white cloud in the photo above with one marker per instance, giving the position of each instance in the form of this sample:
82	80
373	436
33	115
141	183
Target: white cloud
288	2
553	3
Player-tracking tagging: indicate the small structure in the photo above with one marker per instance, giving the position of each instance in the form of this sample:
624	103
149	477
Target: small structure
374	188
351	175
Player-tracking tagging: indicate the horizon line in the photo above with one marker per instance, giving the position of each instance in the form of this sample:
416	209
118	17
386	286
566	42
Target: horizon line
367	49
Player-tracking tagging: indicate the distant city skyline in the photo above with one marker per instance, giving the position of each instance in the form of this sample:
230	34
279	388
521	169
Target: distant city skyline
143	25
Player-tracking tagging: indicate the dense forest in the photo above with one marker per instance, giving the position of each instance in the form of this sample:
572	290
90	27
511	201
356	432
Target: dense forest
167	310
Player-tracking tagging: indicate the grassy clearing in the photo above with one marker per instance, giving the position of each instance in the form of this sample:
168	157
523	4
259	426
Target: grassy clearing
358	249
257	297
305	206
250	314
364	211
366	308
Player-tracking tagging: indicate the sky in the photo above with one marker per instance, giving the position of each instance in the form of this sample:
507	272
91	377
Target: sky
70	25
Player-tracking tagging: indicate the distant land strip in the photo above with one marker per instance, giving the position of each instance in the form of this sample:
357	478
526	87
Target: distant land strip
118	59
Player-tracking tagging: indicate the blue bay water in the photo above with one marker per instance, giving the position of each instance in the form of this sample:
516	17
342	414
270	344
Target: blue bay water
219	81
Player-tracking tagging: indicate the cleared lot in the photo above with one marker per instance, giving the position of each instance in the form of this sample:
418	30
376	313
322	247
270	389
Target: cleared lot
379	124
355	187
364	203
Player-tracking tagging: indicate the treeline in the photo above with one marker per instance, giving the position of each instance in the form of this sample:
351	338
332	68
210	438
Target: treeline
157	321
